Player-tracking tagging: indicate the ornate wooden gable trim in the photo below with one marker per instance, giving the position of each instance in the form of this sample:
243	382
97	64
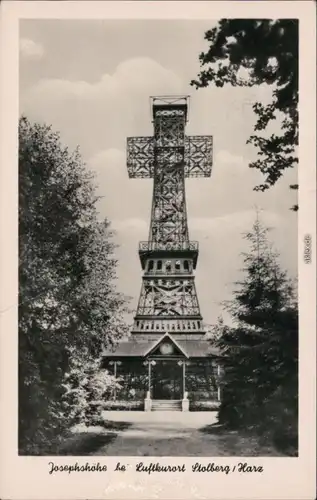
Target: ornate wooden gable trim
165	346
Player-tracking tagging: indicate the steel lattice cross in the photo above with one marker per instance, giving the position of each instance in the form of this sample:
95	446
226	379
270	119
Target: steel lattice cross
169	156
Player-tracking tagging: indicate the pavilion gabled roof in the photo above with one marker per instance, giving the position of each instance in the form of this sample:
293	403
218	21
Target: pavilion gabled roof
143	348
166	337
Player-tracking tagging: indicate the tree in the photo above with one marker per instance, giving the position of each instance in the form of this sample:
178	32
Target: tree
215	332
261	349
67	269
248	52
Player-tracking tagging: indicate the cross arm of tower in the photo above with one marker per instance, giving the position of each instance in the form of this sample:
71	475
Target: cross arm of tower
141	156
198	155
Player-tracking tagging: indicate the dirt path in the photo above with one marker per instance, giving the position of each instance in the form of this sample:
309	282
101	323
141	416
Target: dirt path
175	434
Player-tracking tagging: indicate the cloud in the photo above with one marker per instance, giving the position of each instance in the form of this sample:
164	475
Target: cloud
30	49
235	222
100	115
228	158
110	161
135	225
123	199
133	75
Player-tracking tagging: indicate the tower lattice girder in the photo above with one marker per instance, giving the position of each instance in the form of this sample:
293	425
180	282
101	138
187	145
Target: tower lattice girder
168	300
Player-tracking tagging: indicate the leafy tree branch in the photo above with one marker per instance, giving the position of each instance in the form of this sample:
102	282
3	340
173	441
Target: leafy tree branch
252	52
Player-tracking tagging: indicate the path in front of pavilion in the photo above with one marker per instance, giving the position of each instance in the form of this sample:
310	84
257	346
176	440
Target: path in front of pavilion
195	434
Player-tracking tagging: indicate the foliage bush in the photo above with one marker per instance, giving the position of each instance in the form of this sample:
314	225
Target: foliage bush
203	405
123	405
87	386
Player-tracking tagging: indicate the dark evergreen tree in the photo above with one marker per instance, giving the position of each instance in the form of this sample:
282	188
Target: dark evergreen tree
67	269
259	384
248	52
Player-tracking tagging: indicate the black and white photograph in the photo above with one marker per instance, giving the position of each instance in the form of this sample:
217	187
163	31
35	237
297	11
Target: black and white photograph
158	248
158	307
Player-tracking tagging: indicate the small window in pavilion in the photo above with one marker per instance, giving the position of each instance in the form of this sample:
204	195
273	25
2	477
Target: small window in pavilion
151	265
159	265
177	265
186	266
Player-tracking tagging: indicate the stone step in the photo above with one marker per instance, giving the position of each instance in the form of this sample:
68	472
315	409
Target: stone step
166	405
166	400
166	409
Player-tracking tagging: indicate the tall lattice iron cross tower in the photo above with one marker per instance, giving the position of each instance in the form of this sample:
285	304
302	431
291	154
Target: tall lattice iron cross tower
168	301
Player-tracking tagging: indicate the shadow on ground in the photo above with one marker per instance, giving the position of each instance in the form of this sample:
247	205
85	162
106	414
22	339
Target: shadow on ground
240	442
91	439
114	425
85	443
213	429
165	434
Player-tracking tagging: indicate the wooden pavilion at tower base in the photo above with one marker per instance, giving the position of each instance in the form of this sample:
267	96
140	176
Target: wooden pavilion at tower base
165	374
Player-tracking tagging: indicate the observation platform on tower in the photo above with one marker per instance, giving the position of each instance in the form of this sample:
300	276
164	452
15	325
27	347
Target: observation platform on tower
177	249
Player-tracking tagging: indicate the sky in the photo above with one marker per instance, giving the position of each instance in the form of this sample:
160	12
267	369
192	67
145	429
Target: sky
91	80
